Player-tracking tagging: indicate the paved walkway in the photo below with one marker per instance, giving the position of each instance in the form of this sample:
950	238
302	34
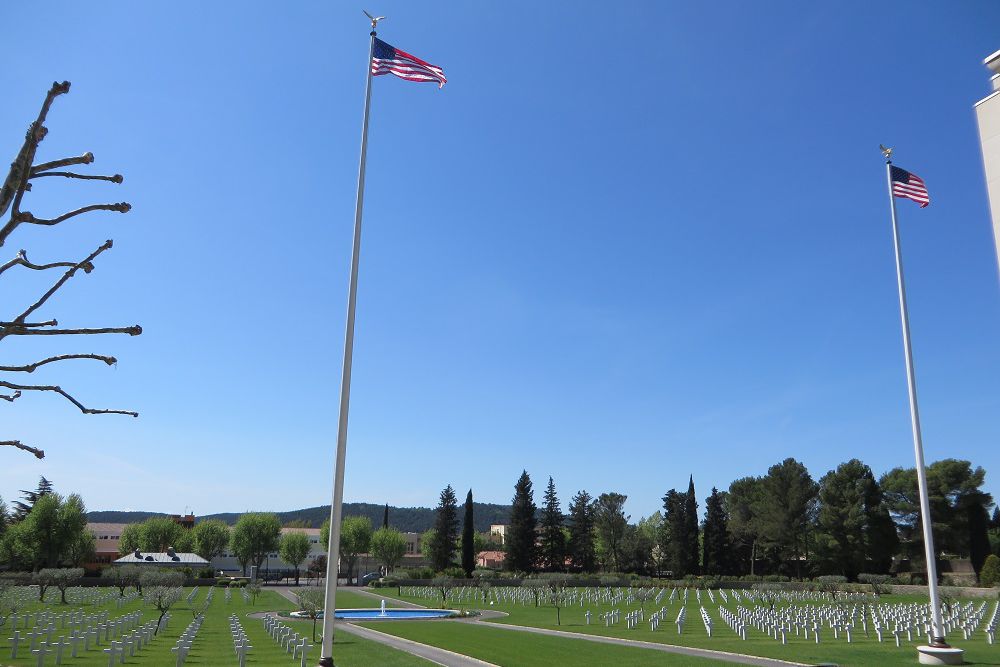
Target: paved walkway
438	656
450	659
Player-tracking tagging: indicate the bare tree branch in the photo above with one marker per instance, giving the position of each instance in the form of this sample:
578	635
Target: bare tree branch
22	260
10	398
26	216
59	390
86	158
17	179
117	178
30	368
89	261
133	330
40	454
50	323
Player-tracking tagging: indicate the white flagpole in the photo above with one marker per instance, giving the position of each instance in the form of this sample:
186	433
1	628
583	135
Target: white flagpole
937	627
336	507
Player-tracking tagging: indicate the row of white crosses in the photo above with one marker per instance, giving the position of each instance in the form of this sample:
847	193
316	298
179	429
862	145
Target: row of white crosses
193	594
85	628
681	615
45	618
287	638
122	600
707	620
184	642
130	642
991	625
241	643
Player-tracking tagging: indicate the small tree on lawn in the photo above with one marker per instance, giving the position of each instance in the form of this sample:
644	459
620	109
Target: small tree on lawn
254	590
44	578
444	586
317	567
310	601
558	594
162	598
64	577
294	549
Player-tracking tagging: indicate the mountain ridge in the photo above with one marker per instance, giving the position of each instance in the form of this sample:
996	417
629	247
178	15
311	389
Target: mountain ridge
405	519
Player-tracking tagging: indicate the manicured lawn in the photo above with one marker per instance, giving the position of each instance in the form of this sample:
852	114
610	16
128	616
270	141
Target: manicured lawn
213	644
863	650
518	649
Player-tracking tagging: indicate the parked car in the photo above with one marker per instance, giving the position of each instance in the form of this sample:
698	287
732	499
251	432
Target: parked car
370	577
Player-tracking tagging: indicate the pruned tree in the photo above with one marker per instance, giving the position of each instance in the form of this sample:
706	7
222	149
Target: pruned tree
23	171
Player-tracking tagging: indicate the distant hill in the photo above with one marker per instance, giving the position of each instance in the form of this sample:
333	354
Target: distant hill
406	519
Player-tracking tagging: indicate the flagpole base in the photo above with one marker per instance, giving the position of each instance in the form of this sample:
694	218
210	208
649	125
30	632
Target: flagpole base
326	662
940	655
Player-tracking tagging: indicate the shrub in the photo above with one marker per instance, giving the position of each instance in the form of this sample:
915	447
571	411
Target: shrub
206	573
416	573
238	583
989	575
453	572
482	573
831	579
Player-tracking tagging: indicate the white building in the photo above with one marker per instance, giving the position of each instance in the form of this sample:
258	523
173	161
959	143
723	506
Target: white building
988	117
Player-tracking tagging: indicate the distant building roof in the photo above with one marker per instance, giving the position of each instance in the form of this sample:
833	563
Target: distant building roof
153	558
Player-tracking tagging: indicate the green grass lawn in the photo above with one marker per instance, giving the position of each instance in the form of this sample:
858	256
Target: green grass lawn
863	651
526	650
213	645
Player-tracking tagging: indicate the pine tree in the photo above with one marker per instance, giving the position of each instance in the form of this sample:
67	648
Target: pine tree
995	521
716	536
22	507
690	546
521	550
442	547
468	538
674	532
553	540
581	533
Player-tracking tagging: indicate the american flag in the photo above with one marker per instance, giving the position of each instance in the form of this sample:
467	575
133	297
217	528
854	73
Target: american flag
387	59
910	186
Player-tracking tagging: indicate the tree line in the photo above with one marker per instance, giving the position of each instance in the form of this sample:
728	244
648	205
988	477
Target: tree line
782	523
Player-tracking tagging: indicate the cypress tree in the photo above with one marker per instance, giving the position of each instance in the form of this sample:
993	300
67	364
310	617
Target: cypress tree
553	547
716	536
995	521
442	546
468	538
521	551
581	533
673	536
385	516
690	545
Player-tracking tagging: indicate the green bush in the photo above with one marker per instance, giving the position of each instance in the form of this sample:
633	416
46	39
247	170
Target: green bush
989	575
483	573
206	573
416	573
452	572
238	583
831	579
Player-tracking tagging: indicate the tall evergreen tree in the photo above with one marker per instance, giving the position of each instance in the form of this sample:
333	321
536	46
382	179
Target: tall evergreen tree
581	533
979	539
785	511
995	521
29	498
553	540
385	516
674	533
610	526
716	545
442	547
854	531
521	550
468	538
740	503
691	555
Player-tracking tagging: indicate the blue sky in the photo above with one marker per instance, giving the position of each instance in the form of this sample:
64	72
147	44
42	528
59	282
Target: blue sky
624	244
